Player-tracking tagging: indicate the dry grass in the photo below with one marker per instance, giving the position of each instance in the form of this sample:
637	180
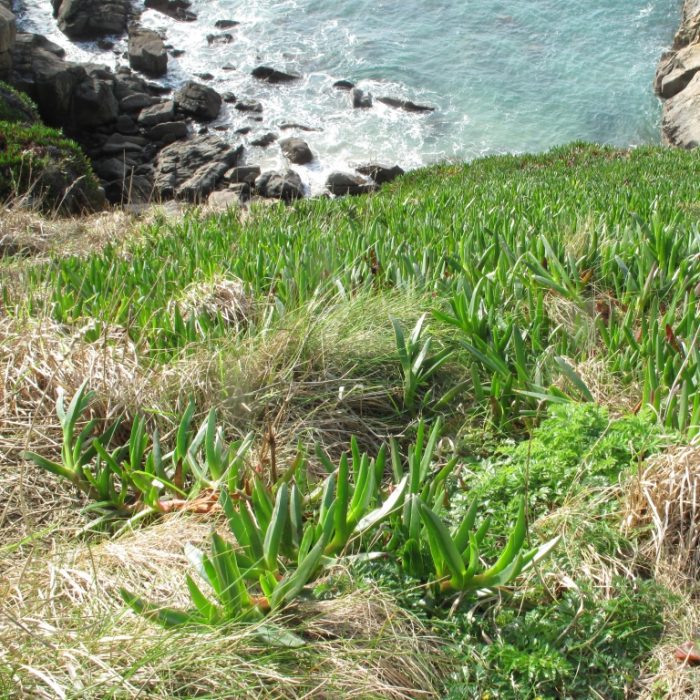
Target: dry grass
64	633
664	502
226	299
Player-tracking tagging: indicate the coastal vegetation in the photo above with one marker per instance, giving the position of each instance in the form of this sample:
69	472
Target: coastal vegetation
436	441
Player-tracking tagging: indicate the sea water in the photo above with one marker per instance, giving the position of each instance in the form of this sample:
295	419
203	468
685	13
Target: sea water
503	75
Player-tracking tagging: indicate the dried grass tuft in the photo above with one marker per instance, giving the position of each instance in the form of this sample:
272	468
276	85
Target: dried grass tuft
227	299
664	503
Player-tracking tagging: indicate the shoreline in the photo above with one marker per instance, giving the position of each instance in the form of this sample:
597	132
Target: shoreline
677	82
153	142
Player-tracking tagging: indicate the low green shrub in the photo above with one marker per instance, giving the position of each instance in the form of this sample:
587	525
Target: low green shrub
39	163
15	106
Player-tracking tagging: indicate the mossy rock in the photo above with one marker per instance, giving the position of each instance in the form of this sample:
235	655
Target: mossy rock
16	107
38	163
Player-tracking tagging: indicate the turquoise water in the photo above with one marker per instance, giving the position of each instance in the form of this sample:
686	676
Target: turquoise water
505	75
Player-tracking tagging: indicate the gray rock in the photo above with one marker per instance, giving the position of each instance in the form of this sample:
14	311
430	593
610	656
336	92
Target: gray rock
90	19
218	39
249	106
191	169
226	23
136	101
360	99
272	75
8	34
177	9
680	124
381	174
264	140
224	199
405	105
124	143
94	103
346	183
676	70
199	101
163	112
111	169
147	52
293	125
285	185
343	85
296	150
243	173
228	98
167	132
125	124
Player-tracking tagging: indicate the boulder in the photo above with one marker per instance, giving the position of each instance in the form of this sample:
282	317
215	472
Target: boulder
8	34
89	19
218	39
249	106
94	103
272	75
40	71
224	199
228	97
177	9
147	52
381	174
296	150
191	169
264	140
346	183
243	173
293	125
163	112
676	70
285	185
198	100
360	99
405	105
343	85
167	132
680	125
226	23
124	143
136	101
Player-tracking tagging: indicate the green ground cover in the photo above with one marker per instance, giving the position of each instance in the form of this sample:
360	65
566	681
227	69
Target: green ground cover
541	309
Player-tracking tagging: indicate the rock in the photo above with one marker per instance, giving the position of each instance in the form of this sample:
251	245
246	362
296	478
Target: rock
271	75
360	99
265	140
406	105
8	34
130	189
111	169
177	9
296	150
90	19
346	183
167	132
163	112
343	85
226	23
191	169
224	199
228	67
243	130
136	102
249	106
94	103
204	76
676	70
198	100
125	124
176	53
124	143
214	39
147	52
381	174
285	185
243	173
228	98
680	124
105	45
294	125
